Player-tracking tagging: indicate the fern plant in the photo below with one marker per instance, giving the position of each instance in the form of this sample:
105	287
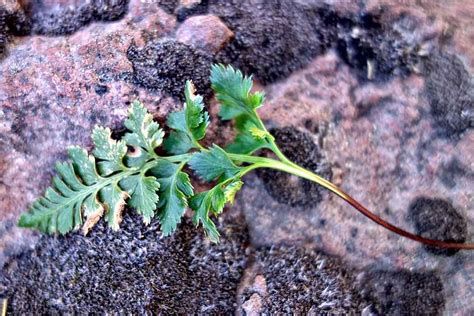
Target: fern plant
130	172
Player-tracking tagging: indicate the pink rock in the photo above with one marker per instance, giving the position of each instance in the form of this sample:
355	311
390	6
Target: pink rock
385	157
53	90
451	20
206	32
253	306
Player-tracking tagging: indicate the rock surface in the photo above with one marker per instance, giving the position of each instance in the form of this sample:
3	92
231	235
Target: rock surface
206	32
290	280
402	292
379	93
135	270
386	150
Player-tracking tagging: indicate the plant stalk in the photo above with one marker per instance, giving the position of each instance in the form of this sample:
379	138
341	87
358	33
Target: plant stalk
296	170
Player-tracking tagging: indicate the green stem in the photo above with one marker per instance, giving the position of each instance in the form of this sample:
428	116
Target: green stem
289	167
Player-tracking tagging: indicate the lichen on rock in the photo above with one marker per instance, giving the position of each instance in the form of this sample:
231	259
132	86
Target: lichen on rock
133	270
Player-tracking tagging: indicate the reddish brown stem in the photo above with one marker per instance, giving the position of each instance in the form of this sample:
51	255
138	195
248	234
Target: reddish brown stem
292	168
404	233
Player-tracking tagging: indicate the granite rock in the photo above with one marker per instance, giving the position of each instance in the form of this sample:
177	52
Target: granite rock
371	86
135	270
289	280
403	292
385	148
205	32
53	90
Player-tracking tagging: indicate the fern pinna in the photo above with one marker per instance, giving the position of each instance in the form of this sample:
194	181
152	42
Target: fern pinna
130	172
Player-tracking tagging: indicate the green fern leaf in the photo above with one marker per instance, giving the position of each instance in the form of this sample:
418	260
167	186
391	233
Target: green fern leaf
60	209
189	125
231	190
203	203
175	190
143	197
110	151
247	142
114	200
212	202
232	90
146	133
213	164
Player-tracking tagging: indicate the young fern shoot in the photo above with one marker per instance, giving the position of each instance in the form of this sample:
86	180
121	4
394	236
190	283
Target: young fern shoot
130	172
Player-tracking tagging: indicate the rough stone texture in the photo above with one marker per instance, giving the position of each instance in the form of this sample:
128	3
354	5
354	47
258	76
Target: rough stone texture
134	270
3	31
403	292
385	149
165	65
297	281
51	96
187	8
373	44
453	19
16	18
51	18
450	92
272	39
438	217
206	32
388	127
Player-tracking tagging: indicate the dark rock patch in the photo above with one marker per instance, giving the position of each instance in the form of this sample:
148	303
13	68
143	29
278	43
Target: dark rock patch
168	5
17	22
195	7
101	89
305	282
275	38
376	50
64	20
167	64
438	219
299	148
13	21
450	92
453	170
403	292
134	270
3	31
272	38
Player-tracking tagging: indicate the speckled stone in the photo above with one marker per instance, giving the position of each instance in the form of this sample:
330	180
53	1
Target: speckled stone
386	150
299	281
402	292
389	136
206	32
135	270
53	90
165	65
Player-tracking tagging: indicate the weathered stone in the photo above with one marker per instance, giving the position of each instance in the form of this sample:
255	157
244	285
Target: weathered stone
389	139
135	270
206	32
450	91
386	152
186	8
253	306
299	281
438	219
165	65
451	21
66	17
402	292
49	99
